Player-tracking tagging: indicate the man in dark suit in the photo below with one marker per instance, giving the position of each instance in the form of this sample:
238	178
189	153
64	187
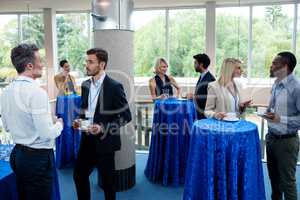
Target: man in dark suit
104	104
201	64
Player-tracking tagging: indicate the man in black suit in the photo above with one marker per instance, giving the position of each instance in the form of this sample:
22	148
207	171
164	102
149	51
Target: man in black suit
104	104
201	64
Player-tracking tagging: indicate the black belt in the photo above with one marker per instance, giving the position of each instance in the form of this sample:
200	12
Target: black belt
29	149
284	136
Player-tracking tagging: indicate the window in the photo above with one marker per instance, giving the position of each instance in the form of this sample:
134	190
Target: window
272	33
149	40
186	38
32	32
231	34
8	40
73	40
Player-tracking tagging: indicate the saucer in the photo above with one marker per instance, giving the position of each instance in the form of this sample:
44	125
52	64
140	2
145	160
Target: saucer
231	119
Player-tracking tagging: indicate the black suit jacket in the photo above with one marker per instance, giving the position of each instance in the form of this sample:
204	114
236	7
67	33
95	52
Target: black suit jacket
112	112
201	94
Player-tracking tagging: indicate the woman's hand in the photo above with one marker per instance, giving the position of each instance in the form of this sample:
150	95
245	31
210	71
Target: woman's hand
220	115
189	95
163	96
246	103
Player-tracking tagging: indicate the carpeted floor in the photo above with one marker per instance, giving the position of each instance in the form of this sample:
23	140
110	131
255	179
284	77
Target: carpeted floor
143	190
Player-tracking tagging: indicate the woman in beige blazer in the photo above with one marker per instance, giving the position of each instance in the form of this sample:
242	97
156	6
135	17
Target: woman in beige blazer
223	95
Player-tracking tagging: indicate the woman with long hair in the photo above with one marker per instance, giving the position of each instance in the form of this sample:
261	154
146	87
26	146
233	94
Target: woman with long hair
223	95
161	84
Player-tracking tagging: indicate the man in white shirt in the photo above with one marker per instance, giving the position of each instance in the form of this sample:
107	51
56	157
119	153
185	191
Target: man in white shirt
26	116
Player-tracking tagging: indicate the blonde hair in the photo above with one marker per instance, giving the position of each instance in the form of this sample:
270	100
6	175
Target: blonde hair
157	64
227	69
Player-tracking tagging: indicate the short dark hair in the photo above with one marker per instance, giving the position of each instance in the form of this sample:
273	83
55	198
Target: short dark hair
101	54
289	59
22	55
62	62
202	58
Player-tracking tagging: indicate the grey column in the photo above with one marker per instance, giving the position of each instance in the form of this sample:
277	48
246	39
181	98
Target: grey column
112	32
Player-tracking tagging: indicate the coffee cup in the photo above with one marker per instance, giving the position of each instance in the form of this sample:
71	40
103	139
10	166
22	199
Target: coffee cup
231	115
84	124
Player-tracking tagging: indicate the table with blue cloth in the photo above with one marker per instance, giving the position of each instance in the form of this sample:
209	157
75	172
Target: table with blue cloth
8	185
67	144
172	122
224	162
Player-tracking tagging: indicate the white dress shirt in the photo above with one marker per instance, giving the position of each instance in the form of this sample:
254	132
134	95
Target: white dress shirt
234	102
26	114
95	90
203	74
285	101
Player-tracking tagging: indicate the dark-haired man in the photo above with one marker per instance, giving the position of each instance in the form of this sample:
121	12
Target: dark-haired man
26	116
64	81
201	63
104	104
283	117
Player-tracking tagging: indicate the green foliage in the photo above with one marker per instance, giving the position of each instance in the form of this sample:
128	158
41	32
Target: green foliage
274	15
149	44
187	31
8	39
232	38
72	39
71	35
272	33
33	30
7	73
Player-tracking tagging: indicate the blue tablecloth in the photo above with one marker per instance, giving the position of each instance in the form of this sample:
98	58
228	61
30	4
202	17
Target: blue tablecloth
67	144
8	187
172	122
224	162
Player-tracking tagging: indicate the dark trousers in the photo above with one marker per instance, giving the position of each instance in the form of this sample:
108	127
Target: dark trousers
105	163
34	172
282	160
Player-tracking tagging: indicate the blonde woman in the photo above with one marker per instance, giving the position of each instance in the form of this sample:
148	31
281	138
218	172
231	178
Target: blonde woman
161	84
223	95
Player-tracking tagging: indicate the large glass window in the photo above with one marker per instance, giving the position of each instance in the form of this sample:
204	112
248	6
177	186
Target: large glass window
8	39
149	40
32	32
186	38
231	34
73	40
272	33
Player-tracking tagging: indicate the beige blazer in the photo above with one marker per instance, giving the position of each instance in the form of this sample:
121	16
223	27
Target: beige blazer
218	99
61	83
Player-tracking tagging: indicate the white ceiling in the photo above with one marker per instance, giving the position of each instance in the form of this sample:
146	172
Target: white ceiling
72	5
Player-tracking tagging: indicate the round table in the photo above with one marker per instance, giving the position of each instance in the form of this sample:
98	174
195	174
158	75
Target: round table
67	144
172	122
224	162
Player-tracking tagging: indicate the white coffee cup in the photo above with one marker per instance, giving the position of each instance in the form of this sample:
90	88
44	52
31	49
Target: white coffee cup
231	115
84	124
261	110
